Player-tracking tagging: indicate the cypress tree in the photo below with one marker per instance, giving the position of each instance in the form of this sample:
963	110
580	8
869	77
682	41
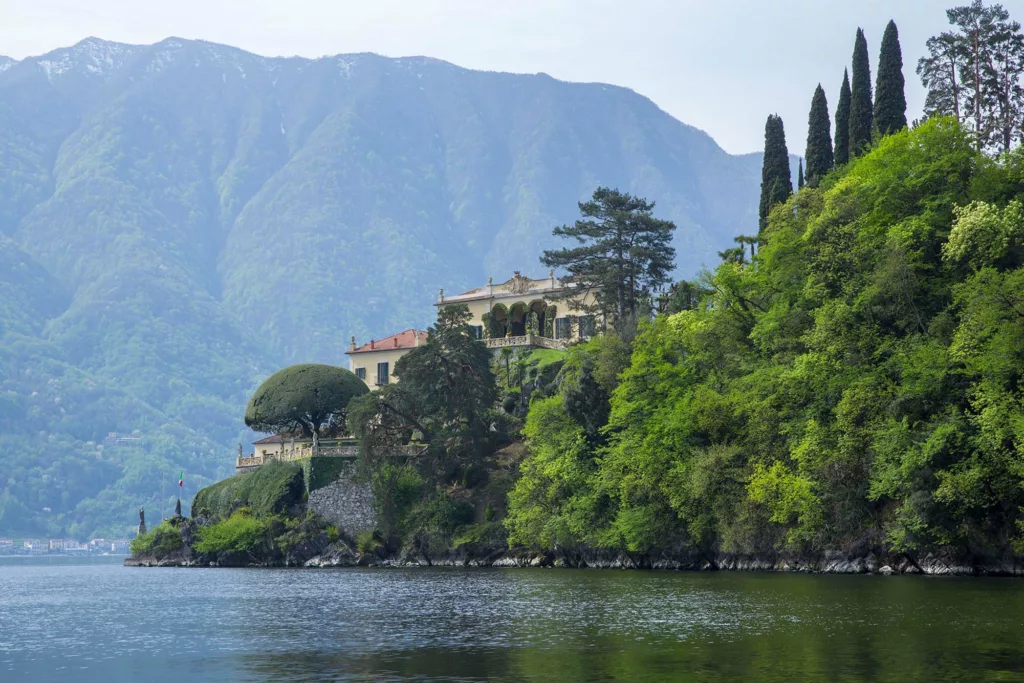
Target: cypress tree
842	148
890	99
800	175
861	109
776	178
819	139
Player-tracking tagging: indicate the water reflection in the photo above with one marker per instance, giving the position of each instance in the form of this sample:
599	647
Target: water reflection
106	623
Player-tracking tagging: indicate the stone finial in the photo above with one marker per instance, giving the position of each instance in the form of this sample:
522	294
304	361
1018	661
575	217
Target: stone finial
440	295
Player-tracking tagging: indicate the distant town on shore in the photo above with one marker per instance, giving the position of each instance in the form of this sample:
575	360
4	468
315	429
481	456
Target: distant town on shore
62	546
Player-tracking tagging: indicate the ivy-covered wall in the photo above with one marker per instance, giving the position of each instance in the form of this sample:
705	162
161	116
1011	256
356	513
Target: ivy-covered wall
321	471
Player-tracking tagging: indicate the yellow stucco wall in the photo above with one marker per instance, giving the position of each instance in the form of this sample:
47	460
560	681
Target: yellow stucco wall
480	307
369	360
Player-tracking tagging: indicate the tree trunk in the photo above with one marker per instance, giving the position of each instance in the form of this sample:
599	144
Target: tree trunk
956	90
977	84
316	438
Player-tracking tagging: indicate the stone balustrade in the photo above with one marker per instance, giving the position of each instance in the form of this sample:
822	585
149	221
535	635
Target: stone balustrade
525	340
343	448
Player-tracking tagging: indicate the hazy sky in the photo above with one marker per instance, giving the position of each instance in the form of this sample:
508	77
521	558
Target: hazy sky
720	65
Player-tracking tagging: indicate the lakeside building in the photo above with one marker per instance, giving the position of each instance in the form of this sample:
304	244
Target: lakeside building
374	362
523	311
520	312
62	546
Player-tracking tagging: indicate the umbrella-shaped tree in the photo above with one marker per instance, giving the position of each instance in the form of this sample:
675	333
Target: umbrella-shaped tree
307	399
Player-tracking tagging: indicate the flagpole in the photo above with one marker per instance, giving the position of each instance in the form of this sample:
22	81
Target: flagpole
162	482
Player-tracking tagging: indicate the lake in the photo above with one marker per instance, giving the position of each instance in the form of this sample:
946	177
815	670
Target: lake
94	620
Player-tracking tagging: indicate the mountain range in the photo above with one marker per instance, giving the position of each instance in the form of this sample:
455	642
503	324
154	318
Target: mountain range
178	220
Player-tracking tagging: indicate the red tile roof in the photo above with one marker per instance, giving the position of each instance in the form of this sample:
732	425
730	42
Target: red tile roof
403	340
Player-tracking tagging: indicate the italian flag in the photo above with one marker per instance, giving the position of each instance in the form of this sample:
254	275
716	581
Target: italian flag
181	479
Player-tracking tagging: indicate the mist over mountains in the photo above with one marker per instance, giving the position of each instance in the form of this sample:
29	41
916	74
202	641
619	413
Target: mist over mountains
178	220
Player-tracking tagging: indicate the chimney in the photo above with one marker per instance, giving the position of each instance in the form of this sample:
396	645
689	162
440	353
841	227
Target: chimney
395	340
352	344
551	274
371	343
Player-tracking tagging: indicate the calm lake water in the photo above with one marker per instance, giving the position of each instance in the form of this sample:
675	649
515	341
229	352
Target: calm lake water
97	621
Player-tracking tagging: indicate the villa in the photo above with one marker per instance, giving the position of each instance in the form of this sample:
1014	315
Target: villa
374	363
527	312
521	312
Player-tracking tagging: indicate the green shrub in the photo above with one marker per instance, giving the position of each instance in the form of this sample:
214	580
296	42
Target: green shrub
488	535
367	542
268	491
489	513
444	515
159	542
333	534
241	532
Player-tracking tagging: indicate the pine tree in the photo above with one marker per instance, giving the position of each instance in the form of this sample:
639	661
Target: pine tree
819	139
861	111
842	148
974	73
620	250
776	178
890	98
800	175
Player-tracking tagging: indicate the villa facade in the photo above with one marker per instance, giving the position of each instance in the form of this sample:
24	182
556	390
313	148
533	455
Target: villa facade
527	312
521	312
374	362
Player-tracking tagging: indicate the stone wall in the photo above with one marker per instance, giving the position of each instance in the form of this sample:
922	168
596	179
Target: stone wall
347	501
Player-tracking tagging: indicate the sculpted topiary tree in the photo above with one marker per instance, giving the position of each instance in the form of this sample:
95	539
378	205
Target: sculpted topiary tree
304	398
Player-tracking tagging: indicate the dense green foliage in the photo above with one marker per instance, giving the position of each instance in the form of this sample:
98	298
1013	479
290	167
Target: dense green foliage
444	401
841	149
861	107
272	489
819	139
239	533
800	174
309	399
160	541
776	180
890	98
858	383
621	251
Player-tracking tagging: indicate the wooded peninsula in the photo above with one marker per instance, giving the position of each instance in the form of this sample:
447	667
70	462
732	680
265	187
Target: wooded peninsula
844	391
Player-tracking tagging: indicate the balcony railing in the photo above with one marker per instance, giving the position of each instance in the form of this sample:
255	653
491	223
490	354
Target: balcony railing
347	448
525	340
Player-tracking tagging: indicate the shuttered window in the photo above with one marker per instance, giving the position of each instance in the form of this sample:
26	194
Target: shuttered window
382	374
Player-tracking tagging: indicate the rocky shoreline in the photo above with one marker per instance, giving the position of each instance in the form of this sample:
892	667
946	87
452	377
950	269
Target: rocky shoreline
318	553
